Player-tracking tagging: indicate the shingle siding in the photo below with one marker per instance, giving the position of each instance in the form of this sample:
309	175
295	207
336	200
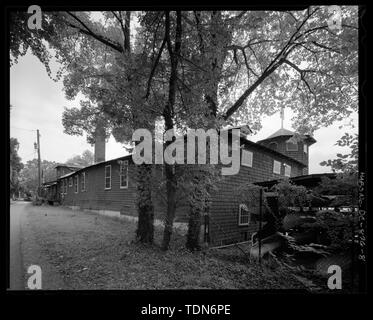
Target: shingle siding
224	228
223	222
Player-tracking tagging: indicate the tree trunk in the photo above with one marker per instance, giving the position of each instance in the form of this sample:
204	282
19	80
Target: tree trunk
171	206
168	113
145	225
214	49
194	228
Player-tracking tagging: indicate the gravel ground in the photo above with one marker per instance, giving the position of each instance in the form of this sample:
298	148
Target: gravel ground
82	250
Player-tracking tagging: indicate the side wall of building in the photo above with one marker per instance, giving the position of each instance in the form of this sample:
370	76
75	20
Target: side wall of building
114	200
224	213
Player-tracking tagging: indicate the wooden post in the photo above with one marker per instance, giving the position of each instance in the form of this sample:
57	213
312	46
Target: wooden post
39	161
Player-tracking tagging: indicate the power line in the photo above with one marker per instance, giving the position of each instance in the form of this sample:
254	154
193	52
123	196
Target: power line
21	128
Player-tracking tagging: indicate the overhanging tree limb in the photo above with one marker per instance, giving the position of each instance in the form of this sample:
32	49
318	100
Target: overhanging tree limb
88	31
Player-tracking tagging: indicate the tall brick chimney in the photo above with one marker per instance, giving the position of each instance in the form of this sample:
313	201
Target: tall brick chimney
100	137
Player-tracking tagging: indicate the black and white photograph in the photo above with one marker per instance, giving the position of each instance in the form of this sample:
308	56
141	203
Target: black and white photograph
186	148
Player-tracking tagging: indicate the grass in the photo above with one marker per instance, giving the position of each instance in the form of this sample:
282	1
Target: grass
90	251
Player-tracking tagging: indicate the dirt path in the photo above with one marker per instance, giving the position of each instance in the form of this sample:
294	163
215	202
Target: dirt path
26	251
16	274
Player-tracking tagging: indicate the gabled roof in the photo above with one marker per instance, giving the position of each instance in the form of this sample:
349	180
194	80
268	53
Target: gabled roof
281	132
67	175
68	166
287	133
309	180
49	183
81	169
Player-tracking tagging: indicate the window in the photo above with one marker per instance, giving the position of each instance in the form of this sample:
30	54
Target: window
62	186
108	177
70	182
243	215
290	146
276	167
305	148
76	184
83	182
273	146
247	158
287	170
123	174
66	181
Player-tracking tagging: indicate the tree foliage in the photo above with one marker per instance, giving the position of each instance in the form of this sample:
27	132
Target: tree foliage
84	160
29	174
15	165
345	163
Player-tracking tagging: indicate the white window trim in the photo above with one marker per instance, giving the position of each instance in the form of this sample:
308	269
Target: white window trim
76	190
108	166
83	180
305	148
250	164
239	215
274	161
287	146
125	162
287	166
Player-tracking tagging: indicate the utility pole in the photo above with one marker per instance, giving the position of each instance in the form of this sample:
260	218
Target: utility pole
39	162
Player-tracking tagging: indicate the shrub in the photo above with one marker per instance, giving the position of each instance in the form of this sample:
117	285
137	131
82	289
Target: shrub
338	226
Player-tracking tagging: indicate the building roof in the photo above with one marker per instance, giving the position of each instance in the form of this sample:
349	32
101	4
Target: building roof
309	180
67	174
243	139
287	133
93	165
68	166
49	183
281	132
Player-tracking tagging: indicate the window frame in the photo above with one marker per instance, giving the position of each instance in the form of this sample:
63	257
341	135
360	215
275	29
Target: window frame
83	182
71	183
244	207
62	187
122	164
290	143
250	165
287	166
273	170
305	148
76	184
106	177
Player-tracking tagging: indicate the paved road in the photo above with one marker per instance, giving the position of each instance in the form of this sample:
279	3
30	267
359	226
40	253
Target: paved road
18	213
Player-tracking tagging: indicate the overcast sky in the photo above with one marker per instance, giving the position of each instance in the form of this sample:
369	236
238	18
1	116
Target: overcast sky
39	103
